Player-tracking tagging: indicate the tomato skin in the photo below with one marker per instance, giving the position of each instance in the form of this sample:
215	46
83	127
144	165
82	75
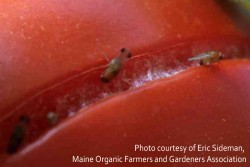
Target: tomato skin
42	41
45	41
195	106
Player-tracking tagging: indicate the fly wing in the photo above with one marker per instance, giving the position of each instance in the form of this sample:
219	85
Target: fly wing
199	57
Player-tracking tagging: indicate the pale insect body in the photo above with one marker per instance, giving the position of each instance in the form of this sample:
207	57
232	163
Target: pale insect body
208	58
115	65
52	118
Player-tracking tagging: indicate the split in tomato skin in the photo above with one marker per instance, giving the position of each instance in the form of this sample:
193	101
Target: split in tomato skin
41	41
201	105
67	97
33	56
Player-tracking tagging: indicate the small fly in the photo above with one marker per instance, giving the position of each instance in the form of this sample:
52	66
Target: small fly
18	134
207	58
52	118
115	65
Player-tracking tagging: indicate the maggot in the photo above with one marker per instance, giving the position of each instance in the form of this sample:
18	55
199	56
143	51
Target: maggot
208	58
115	65
18	134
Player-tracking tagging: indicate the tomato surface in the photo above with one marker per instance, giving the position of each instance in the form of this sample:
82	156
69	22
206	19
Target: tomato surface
52	55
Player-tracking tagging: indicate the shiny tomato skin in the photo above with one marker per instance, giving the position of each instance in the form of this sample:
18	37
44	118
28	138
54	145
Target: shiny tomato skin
194	107
42	41
45	41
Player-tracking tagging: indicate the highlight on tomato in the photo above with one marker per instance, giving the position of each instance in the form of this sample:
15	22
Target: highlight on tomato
98	83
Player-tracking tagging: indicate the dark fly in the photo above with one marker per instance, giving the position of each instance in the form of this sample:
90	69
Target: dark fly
115	65
18	135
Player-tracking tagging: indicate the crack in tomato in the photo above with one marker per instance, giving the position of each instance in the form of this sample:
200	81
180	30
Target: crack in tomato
81	90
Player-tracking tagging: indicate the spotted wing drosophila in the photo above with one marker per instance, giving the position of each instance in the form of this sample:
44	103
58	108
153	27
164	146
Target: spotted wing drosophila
18	135
52	118
115	65
208	58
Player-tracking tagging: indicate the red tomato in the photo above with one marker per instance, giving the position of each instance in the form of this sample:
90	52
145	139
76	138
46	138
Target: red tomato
43	41
55	50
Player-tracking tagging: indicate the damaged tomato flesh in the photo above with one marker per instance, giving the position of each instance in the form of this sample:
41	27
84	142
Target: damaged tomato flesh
201	105
66	97
52	55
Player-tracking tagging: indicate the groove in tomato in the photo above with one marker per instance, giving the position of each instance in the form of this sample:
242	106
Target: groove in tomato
195	106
